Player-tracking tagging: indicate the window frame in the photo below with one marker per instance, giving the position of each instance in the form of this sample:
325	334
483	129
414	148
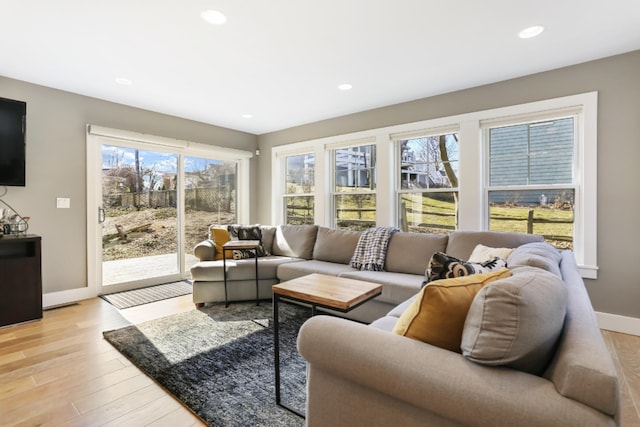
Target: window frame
472	196
332	194
285	194
397	139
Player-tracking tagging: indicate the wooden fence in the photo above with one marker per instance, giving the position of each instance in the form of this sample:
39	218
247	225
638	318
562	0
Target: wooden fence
201	199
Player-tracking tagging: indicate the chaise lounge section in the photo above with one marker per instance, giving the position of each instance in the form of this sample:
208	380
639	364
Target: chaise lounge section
535	357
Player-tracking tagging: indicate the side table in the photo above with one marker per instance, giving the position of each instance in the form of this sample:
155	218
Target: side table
239	245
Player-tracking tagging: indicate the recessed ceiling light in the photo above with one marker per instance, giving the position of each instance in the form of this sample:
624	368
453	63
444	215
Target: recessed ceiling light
530	32
214	17
345	86
124	81
247	116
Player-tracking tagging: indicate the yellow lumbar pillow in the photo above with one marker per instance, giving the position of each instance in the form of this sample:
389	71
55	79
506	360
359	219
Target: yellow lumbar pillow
437	314
220	236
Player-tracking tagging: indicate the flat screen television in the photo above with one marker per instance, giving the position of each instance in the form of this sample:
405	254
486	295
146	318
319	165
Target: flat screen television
13	123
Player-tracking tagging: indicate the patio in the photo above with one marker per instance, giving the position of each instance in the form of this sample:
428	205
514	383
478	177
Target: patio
133	269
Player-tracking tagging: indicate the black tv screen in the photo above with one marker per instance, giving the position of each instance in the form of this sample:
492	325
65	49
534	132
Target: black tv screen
13	124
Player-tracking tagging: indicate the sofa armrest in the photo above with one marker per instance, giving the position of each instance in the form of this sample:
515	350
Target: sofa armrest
205	250
434	380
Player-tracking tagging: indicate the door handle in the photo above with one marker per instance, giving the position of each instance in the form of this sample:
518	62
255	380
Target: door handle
100	215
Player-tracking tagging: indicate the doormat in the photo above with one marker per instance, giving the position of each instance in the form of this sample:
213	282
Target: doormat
127	299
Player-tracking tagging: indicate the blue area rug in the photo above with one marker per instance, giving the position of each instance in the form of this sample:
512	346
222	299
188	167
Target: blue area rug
220	363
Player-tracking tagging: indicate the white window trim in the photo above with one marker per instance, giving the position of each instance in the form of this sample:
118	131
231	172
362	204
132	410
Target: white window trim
472	197
330	150
97	135
286	195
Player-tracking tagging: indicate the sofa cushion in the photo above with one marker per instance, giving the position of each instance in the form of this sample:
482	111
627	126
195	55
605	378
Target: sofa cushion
295	241
242	269
304	267
462	243
483	253
437	315
443	266
334	245
517	321
411	252
220	235
538	254
268	233
396	287
247	232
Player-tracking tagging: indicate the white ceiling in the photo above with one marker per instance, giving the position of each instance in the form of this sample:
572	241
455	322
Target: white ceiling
282	60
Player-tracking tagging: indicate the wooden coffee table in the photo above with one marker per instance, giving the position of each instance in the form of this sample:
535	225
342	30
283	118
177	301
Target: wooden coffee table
322	291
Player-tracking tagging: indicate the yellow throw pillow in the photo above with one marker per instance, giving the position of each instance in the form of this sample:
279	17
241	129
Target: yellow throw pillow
220	236
437	314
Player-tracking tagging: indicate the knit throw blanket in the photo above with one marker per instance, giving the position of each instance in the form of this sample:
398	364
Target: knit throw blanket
371	249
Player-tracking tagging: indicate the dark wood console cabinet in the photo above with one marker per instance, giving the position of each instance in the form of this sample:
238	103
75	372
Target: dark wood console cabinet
20	279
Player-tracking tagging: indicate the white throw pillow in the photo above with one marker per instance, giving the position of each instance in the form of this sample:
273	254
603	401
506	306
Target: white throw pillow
482	253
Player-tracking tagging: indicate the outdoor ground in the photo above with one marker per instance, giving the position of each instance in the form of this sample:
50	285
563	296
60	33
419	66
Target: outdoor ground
157	233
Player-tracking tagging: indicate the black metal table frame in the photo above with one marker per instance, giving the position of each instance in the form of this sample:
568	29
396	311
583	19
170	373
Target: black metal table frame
224	269
276	337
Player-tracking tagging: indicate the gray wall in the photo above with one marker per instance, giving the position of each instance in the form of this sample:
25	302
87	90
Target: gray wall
617	80
56	167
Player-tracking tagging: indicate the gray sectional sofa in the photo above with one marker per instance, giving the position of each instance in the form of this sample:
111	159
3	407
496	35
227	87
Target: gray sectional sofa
535	357
531	355
298	250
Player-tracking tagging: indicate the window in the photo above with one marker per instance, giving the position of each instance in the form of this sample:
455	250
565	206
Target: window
428	183
529	168
530	177
354	187
300	188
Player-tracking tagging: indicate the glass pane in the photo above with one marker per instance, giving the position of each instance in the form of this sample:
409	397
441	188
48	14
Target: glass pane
429	162
355	168
546	212
433	212
210	198
532	154
355	211
299	210
139	234
300	172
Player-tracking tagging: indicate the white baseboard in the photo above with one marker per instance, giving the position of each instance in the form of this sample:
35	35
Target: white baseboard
617	323
53	299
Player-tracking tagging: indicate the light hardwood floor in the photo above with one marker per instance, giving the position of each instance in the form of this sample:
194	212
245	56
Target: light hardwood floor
60	371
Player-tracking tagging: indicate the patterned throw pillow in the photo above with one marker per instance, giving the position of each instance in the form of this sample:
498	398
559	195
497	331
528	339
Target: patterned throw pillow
443	266
247	232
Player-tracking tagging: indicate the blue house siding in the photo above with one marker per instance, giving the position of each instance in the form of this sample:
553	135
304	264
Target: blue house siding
532	154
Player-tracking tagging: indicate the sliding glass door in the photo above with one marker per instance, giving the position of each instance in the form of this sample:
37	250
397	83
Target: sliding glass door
139	217
210	198
150	200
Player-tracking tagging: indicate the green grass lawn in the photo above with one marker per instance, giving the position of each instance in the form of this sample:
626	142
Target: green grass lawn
429	214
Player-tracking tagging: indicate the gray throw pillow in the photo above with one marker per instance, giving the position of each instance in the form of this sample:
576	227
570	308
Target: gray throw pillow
295	241
537	254
335	245
516	321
